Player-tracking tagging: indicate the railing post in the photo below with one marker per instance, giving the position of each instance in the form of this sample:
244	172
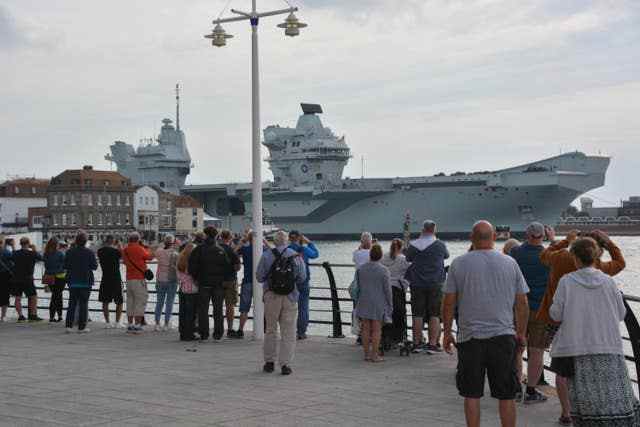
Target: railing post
335	303
633	328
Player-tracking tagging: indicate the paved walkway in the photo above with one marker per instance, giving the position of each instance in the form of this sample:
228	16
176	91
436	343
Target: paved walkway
110	378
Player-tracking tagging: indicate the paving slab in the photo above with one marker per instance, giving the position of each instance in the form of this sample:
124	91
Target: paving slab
109	378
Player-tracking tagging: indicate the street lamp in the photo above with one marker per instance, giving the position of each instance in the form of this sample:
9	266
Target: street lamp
219	39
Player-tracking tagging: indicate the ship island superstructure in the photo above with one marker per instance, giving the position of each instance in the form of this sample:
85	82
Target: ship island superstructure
164	162
309	193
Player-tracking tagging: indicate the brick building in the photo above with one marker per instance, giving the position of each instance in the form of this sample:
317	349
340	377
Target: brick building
99	202
16	197
189	216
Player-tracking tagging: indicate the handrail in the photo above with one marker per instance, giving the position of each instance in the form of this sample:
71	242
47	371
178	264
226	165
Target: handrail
631	321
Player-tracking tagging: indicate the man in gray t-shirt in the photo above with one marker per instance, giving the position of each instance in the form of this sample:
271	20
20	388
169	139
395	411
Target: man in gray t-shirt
487	288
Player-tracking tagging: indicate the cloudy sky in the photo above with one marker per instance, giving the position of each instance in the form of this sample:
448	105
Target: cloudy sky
417	86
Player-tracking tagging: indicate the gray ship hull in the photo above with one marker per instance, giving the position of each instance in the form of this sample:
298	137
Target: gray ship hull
511	197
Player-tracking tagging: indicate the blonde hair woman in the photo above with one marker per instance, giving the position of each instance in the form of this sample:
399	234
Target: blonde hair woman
188	295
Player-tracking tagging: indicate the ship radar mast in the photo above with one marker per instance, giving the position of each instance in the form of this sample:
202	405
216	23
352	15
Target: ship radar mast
178	106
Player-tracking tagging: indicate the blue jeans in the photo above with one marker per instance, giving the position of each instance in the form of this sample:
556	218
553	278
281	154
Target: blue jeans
165	296
303	308
246	294
78	297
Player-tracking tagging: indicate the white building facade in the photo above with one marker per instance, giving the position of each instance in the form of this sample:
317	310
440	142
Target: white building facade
146	212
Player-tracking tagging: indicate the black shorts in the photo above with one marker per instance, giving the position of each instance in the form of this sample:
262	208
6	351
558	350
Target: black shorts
426	302
110	291
494	357
4	289
26	287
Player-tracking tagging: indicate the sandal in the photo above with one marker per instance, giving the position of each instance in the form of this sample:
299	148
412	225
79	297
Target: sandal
565	421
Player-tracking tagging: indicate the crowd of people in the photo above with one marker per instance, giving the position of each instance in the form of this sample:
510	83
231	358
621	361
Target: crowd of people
525	297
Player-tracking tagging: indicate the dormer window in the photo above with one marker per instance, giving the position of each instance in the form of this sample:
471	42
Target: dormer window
319	176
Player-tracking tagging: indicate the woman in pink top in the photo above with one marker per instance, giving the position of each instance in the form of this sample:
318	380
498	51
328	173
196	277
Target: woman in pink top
166	284
188	296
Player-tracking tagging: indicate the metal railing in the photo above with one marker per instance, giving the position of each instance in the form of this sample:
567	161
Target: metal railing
339	294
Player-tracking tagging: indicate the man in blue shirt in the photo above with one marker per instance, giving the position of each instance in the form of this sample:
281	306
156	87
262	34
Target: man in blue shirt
307	250
536	275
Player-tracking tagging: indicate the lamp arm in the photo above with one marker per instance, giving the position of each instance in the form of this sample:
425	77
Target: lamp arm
235	19
277	12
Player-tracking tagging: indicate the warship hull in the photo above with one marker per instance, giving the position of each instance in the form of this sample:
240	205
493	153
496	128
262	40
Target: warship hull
511	197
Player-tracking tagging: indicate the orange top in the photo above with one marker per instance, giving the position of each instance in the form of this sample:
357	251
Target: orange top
135	257
561	262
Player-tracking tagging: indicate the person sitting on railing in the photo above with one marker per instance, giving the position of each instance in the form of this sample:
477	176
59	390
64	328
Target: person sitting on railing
282	272
109	257
80	263
561	262
307	250
188	296
395	332
374	305
587	348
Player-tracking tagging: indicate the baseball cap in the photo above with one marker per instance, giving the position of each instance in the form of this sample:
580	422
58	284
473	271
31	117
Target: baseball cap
294	233
535	229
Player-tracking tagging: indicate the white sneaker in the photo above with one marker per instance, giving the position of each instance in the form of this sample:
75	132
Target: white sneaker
84	331
108	326
157	328
119	325
166	328
68	330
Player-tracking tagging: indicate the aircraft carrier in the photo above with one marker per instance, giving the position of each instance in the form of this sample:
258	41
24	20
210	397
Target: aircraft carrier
309	193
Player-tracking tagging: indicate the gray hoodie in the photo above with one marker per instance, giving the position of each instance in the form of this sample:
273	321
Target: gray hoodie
590	307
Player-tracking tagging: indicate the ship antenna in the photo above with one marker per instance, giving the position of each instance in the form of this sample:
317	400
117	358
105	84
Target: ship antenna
177	106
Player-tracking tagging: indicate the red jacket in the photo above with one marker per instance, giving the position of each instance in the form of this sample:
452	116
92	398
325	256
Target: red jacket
135	257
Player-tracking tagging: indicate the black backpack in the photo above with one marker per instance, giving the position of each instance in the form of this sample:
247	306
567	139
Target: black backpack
282	275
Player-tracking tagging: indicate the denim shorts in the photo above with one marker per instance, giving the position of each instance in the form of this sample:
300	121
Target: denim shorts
246	293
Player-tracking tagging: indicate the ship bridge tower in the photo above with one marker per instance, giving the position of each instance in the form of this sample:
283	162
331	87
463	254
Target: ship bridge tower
309	155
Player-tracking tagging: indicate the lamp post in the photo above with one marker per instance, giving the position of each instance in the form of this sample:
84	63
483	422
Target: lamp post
219	38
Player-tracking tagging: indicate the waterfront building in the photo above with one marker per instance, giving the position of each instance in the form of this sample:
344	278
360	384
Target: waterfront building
189	216
586	205
16	197
99	202
146	211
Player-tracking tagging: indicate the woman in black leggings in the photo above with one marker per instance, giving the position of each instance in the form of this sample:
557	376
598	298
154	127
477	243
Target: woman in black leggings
55	274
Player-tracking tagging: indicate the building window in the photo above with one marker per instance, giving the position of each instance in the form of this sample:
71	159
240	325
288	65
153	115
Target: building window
109	199
55	200
319	176
161	184
107	183
146	200
153	200
118	218
194	223
33	190
169	204
126	200
87	183
117	200
16	190
141	200
64	220
74	219
195	212
141	220
107	218
99	219
99	199
72	199
90	219
127	220
54	218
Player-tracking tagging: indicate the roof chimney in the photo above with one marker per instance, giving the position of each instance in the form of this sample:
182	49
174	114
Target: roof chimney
87	167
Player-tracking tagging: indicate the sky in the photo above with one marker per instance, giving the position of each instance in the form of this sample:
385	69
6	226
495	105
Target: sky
416	86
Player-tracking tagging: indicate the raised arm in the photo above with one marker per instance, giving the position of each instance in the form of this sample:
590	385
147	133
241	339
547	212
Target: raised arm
311	251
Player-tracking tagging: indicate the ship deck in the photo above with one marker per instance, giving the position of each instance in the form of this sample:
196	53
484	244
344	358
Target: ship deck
109	378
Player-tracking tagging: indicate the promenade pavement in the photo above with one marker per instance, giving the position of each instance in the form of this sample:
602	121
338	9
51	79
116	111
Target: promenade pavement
109	378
